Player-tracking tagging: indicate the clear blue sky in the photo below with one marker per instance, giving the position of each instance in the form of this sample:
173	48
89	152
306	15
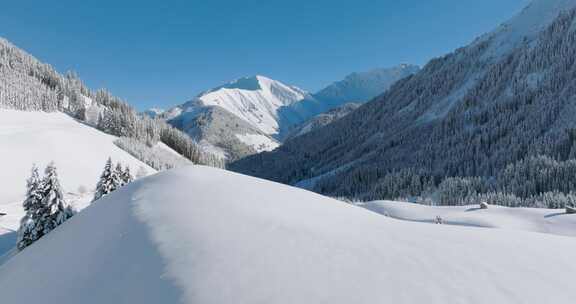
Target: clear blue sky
162	53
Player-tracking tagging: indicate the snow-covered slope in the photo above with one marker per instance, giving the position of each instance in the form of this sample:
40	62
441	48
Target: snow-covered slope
553	221
78	150
203	235
525	25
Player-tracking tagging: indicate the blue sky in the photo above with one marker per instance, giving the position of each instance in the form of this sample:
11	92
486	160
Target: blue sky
162	53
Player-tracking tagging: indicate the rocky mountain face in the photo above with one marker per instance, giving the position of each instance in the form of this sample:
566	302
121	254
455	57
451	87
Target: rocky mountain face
507	96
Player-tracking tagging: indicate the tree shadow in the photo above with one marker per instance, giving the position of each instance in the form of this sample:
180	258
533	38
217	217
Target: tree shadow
555	214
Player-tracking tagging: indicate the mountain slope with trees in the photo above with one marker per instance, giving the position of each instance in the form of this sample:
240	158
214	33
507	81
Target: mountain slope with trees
27	84
467	115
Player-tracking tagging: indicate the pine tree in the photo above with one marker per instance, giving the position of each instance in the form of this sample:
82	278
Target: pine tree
127	176
108	182
119	175
45	207
54	211
33	196
32	203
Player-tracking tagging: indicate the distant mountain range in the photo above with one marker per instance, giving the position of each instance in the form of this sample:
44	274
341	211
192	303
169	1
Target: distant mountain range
255	114
508	96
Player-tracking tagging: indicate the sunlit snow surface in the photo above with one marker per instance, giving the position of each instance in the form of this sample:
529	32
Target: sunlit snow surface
553	221
203	235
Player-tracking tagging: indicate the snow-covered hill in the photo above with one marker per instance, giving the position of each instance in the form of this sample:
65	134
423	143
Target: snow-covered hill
553	221
203	235
78	150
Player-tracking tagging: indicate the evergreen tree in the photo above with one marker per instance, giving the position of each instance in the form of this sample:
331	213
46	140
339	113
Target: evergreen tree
108	182
45	207
119	175
32	203
127	176
33	196
54	211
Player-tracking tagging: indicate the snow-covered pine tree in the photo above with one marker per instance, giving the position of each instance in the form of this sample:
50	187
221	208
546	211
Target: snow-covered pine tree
32	203
127	176
33	195
119	175
108	182
54	211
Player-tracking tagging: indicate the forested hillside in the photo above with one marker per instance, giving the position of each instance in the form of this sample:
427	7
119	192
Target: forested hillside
29	85
477	121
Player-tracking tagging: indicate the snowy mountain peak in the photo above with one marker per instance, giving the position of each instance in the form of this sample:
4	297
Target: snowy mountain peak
255	99
363	86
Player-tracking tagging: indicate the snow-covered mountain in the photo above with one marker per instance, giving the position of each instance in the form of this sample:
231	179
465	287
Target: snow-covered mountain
363	86
202	235
265	111
242	117
222	132
497	102
256	100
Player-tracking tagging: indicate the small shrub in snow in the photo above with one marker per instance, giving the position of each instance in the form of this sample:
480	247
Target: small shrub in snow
483	205
570	210
438	220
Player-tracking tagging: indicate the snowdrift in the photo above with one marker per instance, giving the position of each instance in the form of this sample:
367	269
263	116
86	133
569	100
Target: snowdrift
204	235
